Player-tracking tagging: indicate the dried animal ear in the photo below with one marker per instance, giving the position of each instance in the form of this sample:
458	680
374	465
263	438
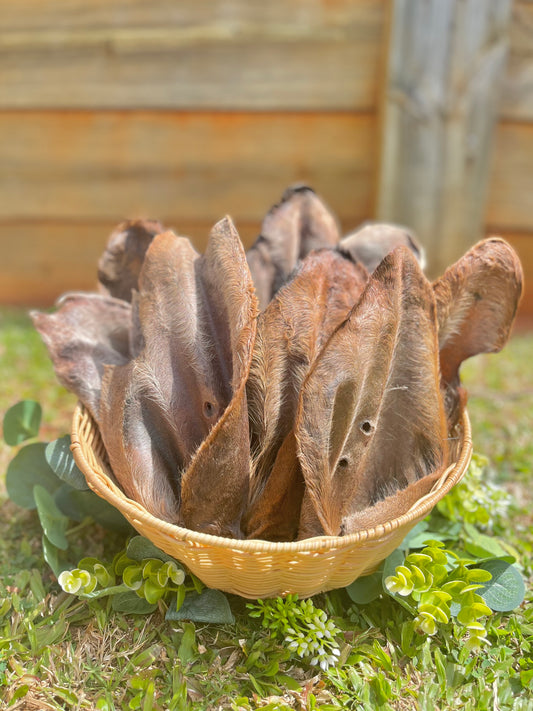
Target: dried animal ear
370	418
477	299
374	240
87	332
290	333
120	264
215	485
300	223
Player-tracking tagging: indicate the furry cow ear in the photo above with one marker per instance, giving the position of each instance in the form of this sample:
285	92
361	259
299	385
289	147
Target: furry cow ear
120	264
477	299
294	227
290	334
370	418
87	332
374	240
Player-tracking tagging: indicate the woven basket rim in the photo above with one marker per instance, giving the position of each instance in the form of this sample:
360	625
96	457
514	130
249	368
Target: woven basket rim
103	485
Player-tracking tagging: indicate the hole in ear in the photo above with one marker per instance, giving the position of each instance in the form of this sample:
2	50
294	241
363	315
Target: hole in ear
366	427
343	462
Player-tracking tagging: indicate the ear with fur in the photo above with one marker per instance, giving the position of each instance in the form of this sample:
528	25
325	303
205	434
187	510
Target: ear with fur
87	332
374	240
370	418
477	299
120	264
300	223
214	487
290	333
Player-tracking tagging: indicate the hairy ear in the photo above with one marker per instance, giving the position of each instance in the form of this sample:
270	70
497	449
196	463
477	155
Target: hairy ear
477	299
294	227
214	487
290	333
87	332
374	240
120	264
370	418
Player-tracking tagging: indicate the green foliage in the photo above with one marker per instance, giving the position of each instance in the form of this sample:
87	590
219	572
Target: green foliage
22	422
475	500
304	628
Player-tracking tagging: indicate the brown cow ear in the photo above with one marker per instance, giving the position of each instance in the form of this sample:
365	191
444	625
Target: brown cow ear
370	417
294	227
373	241
477	299
87	332
290	333
120	264
214	487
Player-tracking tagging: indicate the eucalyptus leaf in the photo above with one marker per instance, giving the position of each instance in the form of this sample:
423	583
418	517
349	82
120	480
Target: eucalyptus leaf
79	504
366	589
140	548
209	606
506	590
22	422
54	523
27	469
60	459
130	603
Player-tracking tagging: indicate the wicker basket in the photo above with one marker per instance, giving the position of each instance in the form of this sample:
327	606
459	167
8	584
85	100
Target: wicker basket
254	568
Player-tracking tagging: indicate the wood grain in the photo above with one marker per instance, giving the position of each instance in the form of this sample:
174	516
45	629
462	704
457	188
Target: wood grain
509	206
517	99
111	165
213	54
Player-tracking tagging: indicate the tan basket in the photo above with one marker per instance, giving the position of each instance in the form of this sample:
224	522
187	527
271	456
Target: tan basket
254	568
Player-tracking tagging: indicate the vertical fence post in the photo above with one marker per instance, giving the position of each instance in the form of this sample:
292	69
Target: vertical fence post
445	65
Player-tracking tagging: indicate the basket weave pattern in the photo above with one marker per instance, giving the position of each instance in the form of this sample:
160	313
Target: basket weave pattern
255	568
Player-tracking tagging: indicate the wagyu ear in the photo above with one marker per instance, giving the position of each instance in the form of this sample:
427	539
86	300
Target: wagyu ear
290	333
120	264
300	223
373	241
477	298
370	418
87	332
214	487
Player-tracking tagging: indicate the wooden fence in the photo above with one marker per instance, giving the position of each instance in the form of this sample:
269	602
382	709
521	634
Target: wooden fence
188	111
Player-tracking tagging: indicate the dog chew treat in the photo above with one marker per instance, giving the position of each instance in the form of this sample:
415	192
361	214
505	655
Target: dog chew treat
370	418
120	264
181	401
290	333
294	227
371	243
477	299
87	332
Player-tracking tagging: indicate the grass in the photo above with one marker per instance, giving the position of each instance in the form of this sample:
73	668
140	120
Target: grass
57	652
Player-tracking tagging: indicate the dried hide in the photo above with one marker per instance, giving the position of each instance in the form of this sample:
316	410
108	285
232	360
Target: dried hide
294	227
371	243
290	333
477	298
120	264
87	332
181	402
370	418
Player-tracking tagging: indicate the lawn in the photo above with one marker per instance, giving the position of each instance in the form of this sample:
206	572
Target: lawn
60	652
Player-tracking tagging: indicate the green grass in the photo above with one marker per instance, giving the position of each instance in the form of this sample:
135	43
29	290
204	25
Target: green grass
57	652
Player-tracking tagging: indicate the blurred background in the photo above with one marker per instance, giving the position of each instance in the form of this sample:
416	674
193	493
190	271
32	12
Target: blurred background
412	111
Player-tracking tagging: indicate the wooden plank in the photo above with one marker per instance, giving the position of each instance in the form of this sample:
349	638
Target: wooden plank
108	165
45	258
445	60
517	103
510	200
210	55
